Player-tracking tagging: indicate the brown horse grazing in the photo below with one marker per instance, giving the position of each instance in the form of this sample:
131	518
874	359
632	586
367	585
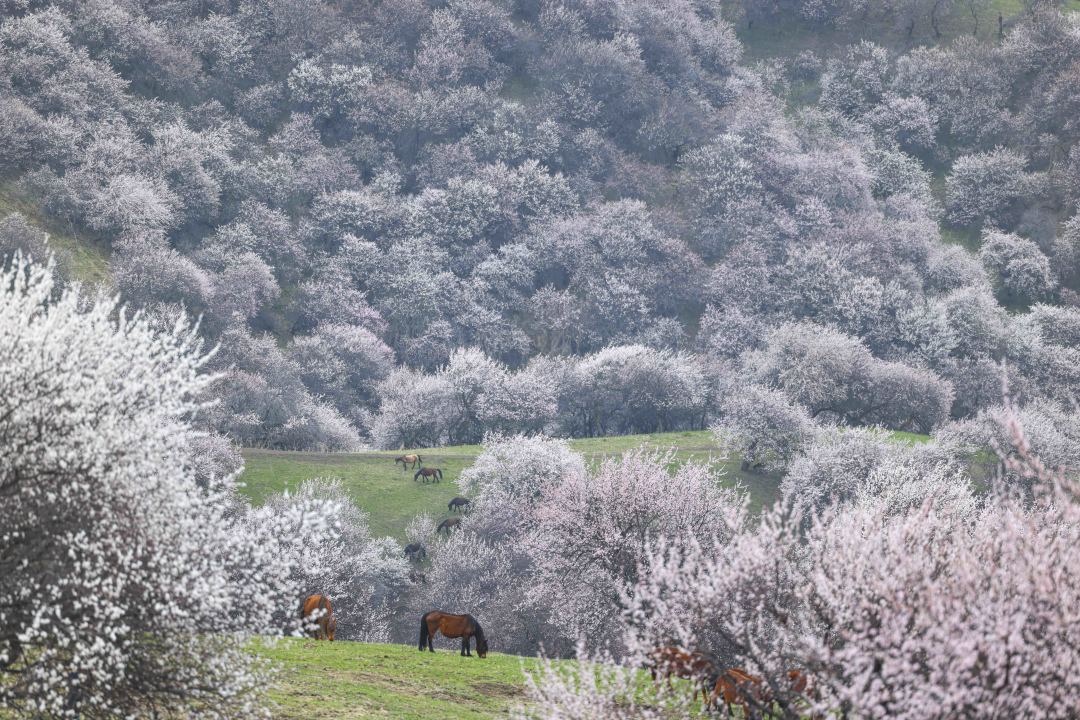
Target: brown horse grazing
325	624
459	504
452	626
412	460
448	524
669	661
737	687
426	473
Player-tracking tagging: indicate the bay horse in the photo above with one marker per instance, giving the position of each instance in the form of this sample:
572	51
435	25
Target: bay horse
448	524
325	624
459	504
737	687
669	661
426	473
453	626
413	460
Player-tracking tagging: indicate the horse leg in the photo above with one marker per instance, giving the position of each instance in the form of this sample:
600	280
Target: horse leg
464	645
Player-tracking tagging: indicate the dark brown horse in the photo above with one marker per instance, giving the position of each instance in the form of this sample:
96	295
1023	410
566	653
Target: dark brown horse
459	504
426	473
412	460
452	626
325	624
448	524
416	552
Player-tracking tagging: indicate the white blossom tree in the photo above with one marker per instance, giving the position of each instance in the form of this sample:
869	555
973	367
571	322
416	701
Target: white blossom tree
119	593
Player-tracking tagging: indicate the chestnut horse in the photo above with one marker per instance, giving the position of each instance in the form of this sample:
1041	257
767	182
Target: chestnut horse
452	626
325	624
426	473
413	460
694	666
736	687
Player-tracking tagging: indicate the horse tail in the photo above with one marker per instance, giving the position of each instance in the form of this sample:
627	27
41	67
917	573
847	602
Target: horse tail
423	631
417	473
440	473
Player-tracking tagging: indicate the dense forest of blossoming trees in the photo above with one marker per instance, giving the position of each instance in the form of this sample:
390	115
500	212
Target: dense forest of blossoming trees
411	223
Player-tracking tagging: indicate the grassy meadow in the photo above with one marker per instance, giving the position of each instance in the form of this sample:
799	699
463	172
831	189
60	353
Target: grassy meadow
349	680
321	680
391	497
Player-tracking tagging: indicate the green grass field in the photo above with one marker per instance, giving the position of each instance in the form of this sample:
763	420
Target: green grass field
360	680
321	680
391	497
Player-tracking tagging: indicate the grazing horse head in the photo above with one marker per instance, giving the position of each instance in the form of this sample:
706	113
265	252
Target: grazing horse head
481	640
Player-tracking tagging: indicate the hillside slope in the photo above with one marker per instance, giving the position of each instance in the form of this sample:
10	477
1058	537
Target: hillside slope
391	498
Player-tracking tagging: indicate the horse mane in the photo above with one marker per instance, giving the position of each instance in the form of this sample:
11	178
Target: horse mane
479	630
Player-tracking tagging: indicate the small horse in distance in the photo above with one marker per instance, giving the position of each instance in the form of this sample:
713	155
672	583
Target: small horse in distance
452	626
415	552
325	624
448	524
426	473
412	460
459	504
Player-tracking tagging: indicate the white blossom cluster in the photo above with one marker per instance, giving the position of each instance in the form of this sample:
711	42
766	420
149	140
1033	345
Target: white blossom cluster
130	584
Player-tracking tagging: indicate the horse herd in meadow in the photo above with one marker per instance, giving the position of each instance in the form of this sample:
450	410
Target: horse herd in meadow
719	687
